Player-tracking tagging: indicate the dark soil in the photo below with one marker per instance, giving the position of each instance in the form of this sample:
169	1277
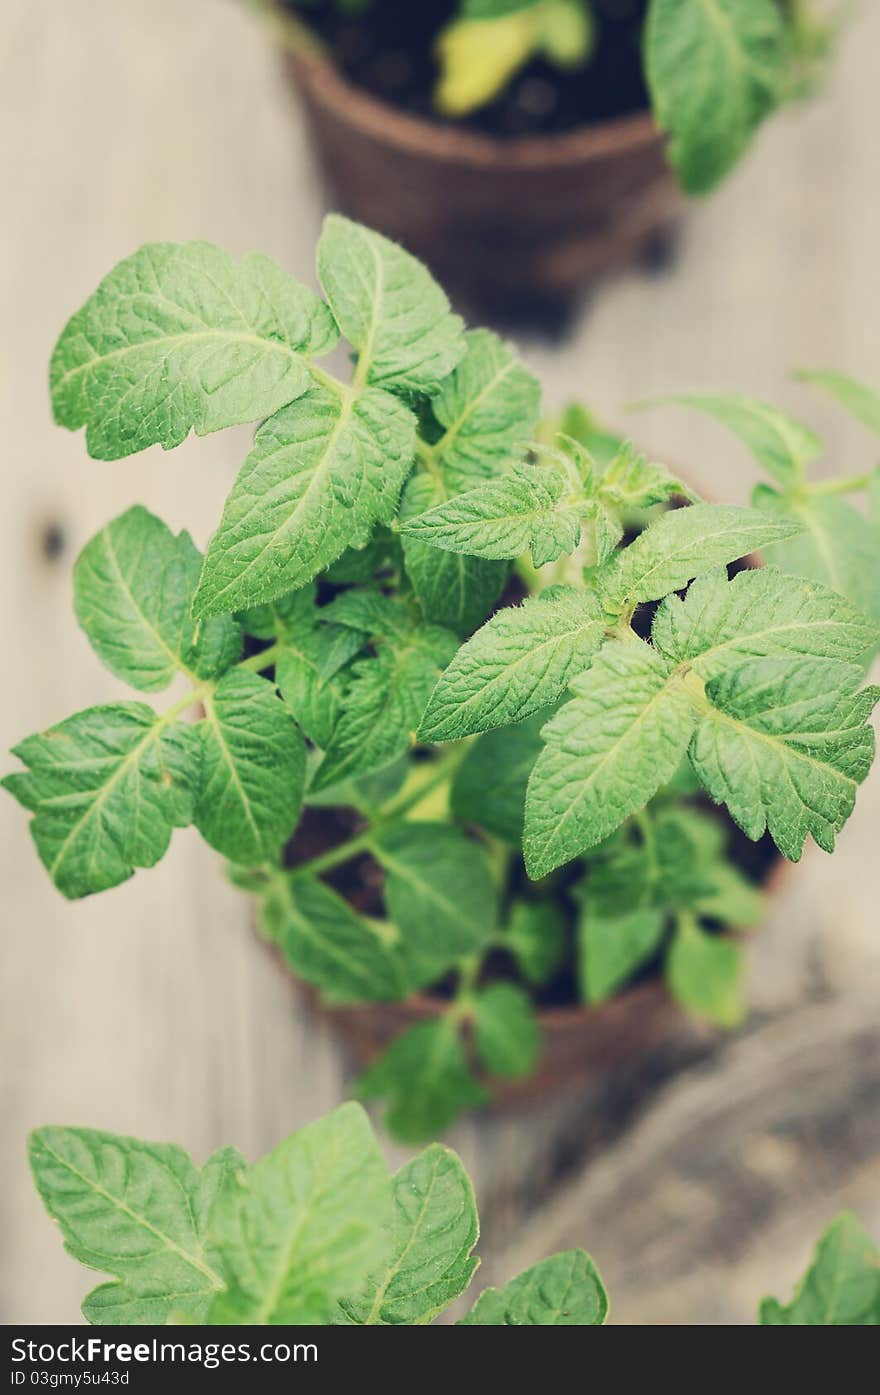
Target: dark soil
389	51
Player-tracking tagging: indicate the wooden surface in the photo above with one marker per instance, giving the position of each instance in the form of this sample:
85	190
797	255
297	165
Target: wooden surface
152	1009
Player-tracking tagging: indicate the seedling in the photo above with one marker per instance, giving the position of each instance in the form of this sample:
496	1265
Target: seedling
512	802
318	1232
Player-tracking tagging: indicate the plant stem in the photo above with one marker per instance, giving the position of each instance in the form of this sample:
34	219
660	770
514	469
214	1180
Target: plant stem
850	484
266	657
439	772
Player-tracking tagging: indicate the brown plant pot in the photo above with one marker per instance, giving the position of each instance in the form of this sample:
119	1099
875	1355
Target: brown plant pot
508	226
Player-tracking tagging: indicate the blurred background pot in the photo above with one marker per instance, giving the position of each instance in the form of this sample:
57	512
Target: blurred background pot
514	227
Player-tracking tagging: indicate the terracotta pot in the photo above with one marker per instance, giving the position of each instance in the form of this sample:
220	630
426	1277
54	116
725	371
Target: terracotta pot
578	1044
506	225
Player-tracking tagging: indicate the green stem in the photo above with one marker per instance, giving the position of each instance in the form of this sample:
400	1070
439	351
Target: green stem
438	772
265	659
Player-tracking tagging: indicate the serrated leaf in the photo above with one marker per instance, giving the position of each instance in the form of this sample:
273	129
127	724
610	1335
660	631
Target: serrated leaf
841	1288
715	70
133	586
759	613
837	546
138	1211
857	397
307	1226
506	1032
521	660
106	788
434	1227
682	544
562	1291
384	704
489	786
322	473
613	948
535	936
782	445
606	753
524	510
451	589
327	943
785	745
179	338
488	407
705	975
439	892
424	1076
253	770
389	307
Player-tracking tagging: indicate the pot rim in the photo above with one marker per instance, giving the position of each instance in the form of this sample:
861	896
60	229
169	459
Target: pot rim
418	136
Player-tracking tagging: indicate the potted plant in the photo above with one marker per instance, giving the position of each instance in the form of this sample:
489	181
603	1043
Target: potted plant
481	805
318	1233
522	146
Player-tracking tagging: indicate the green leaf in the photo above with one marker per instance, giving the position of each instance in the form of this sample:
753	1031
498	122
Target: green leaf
630	481
133	586
664	867
506	1032
452	590
307	1226
715	70
425	1077
758	614
535	936
106	788
837	546
682	544
389	308
611	950
488	408
523	659
785	745
312	670
282	617
841	1288
253	770
526	509
733	899
562	1291
705	975
179	338
782	445
384	704
440	894
489	787
138	1211
606	753
326	942
858	398
434	1227
321	475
